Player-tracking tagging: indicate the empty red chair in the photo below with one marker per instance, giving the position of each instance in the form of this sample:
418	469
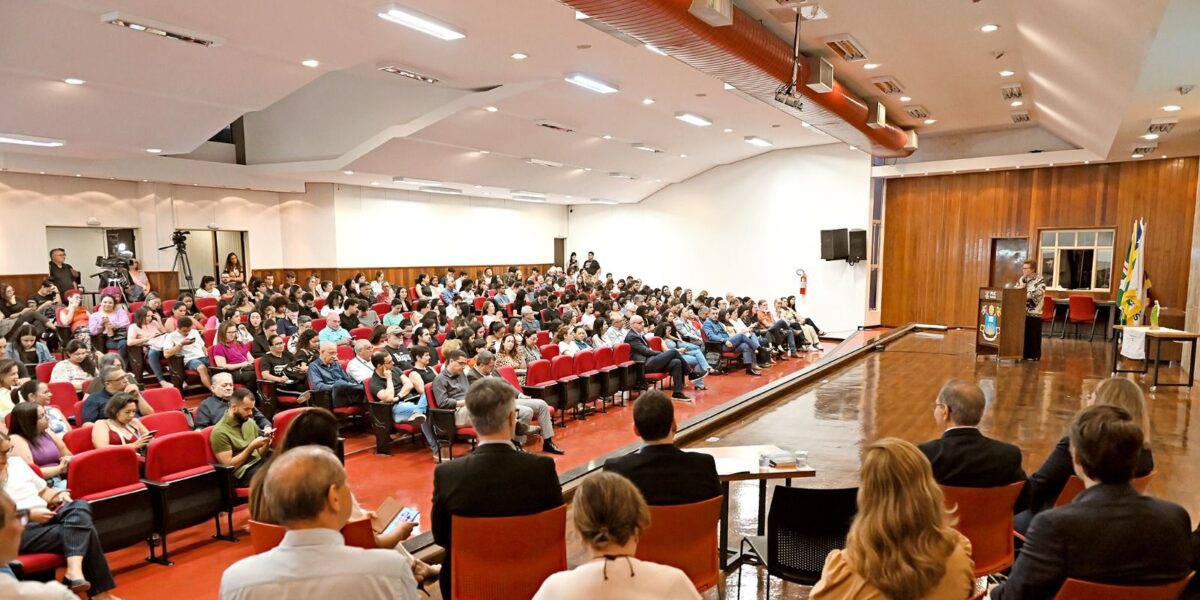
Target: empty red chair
543	338
78	412
985	516
108	478
381	308
208	311
534	548
445	429
540	384
361	333
1081	309
1075	485
569	384
684	536
63	397
43	371
382	423
78	440
319	324
206	302
166	423
164	399
1048	312
622	359
345	353
208	335
167	305
478	303
549	351
441	339
590	378
610	380
318	303
1076	589
184	488
133	307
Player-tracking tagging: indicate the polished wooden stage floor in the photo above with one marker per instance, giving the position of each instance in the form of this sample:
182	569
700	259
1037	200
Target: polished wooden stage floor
891	393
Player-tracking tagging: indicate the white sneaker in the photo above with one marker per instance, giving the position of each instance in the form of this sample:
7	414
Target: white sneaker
417	418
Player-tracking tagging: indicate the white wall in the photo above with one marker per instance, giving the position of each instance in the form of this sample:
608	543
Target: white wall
744	228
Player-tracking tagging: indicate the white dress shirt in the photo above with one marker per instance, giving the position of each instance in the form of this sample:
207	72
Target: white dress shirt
360	370
11	589
623	578
24	486
316	563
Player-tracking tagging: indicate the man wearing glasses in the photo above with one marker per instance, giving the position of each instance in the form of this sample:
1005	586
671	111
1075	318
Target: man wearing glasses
35	518
214	407
115	382
12	525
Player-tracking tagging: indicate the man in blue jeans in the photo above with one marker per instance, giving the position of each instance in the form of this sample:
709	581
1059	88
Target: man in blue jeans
327	375
409	404
746	344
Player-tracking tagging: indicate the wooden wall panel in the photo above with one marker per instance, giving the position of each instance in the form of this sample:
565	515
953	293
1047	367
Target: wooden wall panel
938	230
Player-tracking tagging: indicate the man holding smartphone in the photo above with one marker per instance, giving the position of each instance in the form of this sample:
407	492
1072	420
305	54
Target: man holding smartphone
237	441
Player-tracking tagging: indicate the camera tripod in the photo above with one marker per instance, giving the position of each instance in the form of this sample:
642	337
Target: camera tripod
181	264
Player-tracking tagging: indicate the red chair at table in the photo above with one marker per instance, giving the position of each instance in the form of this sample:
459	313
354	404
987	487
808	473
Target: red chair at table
1081	309
1076	589
985	517
684	536
1049	310
506	558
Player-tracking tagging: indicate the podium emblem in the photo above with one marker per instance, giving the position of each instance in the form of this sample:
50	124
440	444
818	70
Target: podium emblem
989	322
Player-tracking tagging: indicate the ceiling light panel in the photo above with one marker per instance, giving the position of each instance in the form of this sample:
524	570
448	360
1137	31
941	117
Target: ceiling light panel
1012	92
889	85
693	119
1163	125
916	111
588	82
409	73
619	175
420	22
30	140
438	189
543	163
646	148
754	140
162	30
415	181
845	46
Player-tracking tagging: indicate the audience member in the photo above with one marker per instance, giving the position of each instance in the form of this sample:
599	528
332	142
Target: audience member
495	480
279	367
306	490
121	427
333	332
326	375
188	345
662	472
232	356
237	440
902	544
963	456
527	408
667	361
57	524
1110	533
110	323
65	276
360	368
12	529
34	443
114	381
746	344
38	392
610	515
78	368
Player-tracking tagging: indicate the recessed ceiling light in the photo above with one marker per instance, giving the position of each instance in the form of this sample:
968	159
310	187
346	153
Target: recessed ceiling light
1016	103
854	147
906	98
647	101
728	130
620	175
989	28
478	186
590	83
930	121
580	16
682	156
485	151
1051	164
154	150
519	56
1137	156
606	137
655	49
657	181
1087	162
729	87
587	168
693	119
43	173
1007	73
420	22
987	168
646	148
1172	108
81	175
754	140
491	109
1150	136
871	66
348	172
74	81
374	183
311	63
1164	156
29	140
806	124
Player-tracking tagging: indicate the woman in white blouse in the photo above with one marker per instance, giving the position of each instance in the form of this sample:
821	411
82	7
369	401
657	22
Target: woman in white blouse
610	515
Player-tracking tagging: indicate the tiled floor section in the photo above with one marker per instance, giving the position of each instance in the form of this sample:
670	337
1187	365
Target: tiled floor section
407	475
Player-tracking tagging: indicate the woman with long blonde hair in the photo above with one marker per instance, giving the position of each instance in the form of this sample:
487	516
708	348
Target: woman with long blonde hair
902	544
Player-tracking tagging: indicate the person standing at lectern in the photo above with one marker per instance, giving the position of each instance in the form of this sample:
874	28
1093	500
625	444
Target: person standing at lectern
1035	295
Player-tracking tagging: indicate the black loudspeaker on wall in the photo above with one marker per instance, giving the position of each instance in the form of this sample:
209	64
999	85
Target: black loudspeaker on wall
833	244
858	245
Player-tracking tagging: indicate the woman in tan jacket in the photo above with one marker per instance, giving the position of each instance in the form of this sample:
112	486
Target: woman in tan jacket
902	544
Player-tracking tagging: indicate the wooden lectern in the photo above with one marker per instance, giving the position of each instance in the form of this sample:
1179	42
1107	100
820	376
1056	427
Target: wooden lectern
1000	323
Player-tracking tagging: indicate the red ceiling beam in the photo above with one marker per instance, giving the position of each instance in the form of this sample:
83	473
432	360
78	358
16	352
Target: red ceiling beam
749	57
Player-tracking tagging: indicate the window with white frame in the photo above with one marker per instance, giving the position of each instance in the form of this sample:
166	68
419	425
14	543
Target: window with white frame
1077	259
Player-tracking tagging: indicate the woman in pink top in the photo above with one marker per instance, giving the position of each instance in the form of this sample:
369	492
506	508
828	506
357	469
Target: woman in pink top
231	355
111	321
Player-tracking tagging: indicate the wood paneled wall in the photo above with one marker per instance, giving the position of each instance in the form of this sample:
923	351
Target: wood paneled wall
165	283
938	230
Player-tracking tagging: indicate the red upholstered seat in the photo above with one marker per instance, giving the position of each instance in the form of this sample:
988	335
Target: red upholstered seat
79	440
37	563
44	370
108	479
549	351
166	422
164	399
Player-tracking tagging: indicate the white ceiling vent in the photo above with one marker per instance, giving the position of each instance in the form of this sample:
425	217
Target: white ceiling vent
1020	117
888	85
1011	92
845	46
916	111
1163	125
554	126
717	13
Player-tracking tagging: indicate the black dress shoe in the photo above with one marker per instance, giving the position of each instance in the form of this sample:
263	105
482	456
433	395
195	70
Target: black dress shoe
77	585
680	396
550	447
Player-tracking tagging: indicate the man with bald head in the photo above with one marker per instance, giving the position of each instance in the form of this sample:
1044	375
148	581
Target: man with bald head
306	490
327	375
334	332
963	456
214	407
668	361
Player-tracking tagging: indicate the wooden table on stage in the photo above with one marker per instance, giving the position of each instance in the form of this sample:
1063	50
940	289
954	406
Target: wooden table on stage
1156	337
740	463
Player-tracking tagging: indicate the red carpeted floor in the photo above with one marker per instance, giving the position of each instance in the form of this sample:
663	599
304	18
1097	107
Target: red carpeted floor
406	475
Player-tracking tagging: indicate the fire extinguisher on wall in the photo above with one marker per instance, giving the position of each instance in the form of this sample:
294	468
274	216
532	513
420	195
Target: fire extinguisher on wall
803	282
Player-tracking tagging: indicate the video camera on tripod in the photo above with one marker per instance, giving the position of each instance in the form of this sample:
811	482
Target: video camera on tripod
115	270
181	263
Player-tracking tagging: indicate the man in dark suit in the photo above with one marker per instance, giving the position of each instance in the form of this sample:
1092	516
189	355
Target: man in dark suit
495	480
669	361
664	473
964	457
1110	533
